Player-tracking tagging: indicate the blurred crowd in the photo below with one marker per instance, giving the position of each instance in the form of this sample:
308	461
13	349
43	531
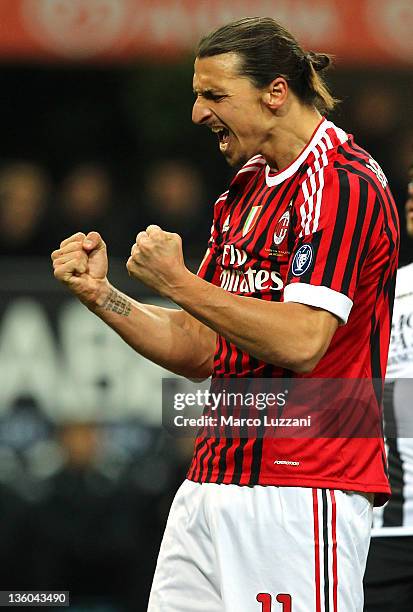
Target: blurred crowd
83	506
36	214
38	211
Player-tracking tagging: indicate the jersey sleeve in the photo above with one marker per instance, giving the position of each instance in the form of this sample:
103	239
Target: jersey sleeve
335	221
208	269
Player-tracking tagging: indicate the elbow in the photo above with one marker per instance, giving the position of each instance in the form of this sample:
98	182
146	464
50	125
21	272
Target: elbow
315	345
304	359
309	357
309	339
304	366
299	364
200	373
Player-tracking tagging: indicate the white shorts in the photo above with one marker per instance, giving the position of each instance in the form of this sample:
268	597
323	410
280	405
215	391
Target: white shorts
228	548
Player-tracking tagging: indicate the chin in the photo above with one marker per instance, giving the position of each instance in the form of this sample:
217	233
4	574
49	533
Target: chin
236	161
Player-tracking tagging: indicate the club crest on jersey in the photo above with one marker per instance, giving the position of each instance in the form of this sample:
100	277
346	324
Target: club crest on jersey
225	227
251	219
281	229
302	260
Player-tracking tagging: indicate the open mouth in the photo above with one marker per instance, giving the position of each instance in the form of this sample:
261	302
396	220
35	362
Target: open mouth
223	136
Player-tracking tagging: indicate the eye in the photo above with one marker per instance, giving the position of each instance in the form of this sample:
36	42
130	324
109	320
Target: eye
208	95
216	97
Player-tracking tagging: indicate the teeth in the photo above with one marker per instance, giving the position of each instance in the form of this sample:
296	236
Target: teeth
222	133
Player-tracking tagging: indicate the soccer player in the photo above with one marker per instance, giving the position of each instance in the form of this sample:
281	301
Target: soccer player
389	573
298	281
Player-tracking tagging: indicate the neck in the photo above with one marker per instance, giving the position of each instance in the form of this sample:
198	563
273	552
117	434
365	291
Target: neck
290	134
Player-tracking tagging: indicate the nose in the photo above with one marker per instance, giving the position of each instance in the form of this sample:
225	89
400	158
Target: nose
200	111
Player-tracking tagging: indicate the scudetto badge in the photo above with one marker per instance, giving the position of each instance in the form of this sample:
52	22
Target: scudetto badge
302	260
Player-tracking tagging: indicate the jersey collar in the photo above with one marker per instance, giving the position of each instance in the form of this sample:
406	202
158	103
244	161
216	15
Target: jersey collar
275	178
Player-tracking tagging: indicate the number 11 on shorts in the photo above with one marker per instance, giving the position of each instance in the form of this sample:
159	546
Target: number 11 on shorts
265	599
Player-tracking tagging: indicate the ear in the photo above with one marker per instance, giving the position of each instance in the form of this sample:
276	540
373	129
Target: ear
276	93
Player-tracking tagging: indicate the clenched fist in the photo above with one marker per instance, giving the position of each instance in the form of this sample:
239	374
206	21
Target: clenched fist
81	263
157	260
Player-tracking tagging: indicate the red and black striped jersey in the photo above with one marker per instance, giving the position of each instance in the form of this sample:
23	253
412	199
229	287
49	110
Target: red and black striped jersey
323	232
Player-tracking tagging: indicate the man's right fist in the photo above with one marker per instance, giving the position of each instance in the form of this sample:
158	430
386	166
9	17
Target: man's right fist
81	263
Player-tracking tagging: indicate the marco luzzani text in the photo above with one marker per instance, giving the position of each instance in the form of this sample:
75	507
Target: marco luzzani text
224	400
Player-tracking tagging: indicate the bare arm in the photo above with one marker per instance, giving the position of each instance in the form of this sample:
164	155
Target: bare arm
289	335
171	338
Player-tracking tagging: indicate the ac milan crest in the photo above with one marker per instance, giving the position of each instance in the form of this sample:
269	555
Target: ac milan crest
281	229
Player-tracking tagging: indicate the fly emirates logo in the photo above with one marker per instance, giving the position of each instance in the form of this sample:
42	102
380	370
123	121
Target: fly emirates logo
248	281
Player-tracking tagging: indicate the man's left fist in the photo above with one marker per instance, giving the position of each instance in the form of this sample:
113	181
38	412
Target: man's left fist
157	260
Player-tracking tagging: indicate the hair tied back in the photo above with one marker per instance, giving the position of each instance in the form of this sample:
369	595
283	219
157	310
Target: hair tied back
319	61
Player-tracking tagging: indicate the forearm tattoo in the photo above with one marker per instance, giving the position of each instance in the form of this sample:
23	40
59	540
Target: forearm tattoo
117	303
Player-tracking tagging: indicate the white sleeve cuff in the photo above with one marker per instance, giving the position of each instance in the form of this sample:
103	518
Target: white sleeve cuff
320	297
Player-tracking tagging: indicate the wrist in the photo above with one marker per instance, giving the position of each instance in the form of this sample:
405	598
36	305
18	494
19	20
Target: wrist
181	286
99	296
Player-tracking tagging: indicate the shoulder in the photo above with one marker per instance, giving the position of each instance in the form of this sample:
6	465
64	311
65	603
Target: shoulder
346	171
357	162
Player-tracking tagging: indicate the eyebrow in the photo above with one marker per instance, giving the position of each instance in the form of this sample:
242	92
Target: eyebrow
209	94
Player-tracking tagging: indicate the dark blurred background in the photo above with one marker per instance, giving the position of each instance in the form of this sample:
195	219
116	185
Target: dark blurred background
96	133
